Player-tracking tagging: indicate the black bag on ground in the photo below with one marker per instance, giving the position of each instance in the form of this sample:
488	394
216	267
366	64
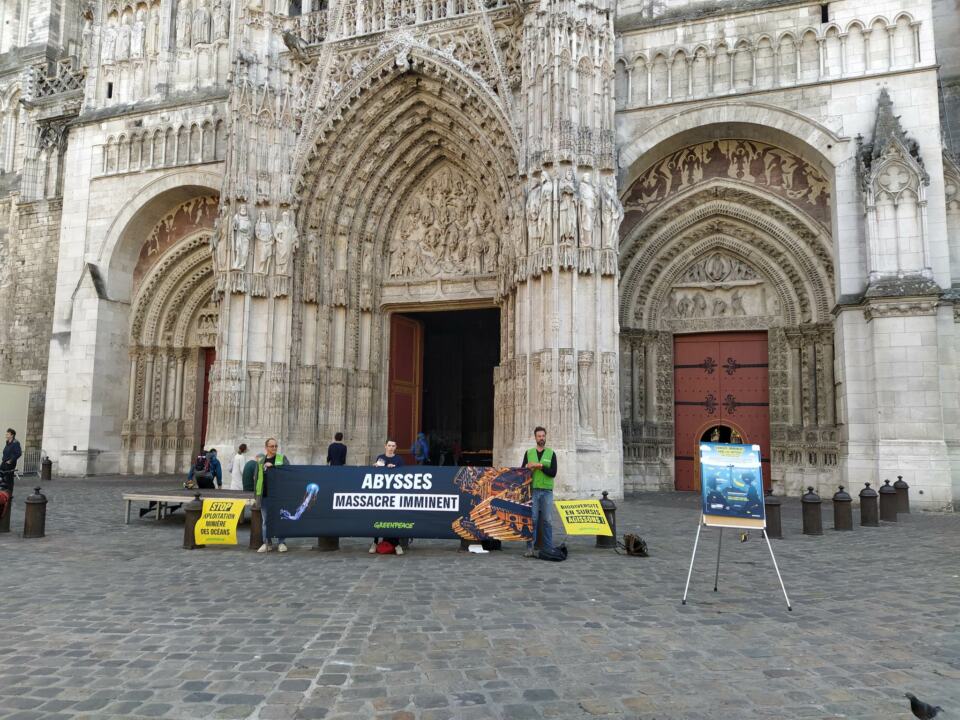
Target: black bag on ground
491	544
555	554
634	545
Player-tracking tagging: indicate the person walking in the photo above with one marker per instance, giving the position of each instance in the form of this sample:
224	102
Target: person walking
388	459
11	455
337	451
421	449
270	458
236	468
543	462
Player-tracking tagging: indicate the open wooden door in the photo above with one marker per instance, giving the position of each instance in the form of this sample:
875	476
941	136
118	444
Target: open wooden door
405	388
207	356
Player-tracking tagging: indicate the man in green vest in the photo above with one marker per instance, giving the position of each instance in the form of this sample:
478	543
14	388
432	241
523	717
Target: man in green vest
543	462
270	458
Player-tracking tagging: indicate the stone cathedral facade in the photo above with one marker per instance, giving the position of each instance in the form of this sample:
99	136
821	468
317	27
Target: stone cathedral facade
734	220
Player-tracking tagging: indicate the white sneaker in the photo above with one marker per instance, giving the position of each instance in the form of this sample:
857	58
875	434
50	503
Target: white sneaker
398	549
264	548
373	548
282	547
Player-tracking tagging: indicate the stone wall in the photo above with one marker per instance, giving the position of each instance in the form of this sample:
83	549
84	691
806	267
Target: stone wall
29	246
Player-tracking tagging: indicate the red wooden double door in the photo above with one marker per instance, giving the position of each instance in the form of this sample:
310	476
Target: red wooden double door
721	392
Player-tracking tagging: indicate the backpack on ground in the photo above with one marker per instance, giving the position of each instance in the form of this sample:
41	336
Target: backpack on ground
491	544
557	553
633	545
202	463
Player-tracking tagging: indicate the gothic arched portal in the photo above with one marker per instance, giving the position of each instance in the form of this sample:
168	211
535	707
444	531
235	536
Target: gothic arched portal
173	332
727	235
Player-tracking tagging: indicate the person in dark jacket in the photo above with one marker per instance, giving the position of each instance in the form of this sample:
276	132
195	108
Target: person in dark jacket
11	455
337	451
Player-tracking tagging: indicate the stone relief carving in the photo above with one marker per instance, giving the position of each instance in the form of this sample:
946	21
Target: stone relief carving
446	228
779	171
311	268
242	233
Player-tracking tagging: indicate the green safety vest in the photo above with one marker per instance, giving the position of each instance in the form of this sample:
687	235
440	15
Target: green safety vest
277	460
541	481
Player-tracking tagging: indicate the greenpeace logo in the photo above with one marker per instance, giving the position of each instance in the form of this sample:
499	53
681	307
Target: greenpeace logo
393	526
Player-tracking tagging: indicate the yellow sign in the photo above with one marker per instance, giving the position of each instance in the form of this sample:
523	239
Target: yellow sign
218	523
582	517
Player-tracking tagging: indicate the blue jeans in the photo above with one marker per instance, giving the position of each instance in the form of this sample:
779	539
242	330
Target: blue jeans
540	506
264	504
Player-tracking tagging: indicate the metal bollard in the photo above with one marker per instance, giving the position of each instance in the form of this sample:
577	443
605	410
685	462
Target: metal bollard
35	516
610	511
46	470
256	526
772	509
888	502
191	514
328	544
869	514
812	520
903	495
842	510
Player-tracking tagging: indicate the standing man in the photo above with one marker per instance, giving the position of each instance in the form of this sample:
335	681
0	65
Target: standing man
270	458
543	462
337	451
388	459
11	455
421	449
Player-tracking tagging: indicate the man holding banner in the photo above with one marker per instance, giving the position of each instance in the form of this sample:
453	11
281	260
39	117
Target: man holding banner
271	458
543	462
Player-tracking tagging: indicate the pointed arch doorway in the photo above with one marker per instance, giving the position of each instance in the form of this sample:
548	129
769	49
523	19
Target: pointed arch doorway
441	368
721	388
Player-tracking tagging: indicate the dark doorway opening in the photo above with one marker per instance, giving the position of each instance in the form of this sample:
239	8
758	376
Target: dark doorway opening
459	350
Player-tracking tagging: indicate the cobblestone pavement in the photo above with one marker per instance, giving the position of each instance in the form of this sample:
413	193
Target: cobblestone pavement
102	620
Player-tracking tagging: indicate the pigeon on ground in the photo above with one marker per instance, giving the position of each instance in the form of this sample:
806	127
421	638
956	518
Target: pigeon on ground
922	710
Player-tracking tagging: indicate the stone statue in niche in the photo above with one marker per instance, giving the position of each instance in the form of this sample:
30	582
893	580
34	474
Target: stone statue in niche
184	20
567	219
201	23
264	252
287	242
546	211
221	20
138	34
311	268
588	223
242	232
490	246
153	30
585	385
611	215
533	218
588	211
86	43
109	45
123	38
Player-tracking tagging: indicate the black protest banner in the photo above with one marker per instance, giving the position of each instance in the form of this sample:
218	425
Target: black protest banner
417	501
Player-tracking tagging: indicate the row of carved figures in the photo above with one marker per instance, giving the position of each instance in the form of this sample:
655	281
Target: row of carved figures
573	214
273	246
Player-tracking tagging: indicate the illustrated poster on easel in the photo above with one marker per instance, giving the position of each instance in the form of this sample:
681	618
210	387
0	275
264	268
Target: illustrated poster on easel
731	481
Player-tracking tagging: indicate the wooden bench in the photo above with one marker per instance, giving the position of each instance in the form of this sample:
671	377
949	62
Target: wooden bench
170	500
